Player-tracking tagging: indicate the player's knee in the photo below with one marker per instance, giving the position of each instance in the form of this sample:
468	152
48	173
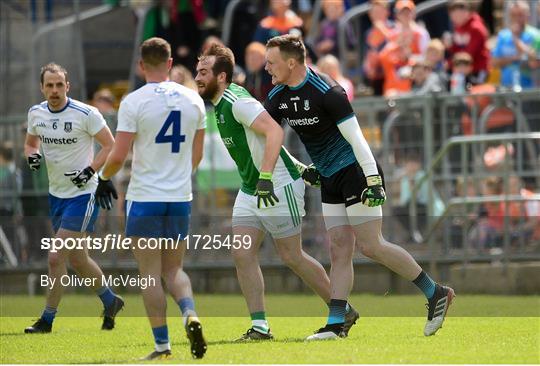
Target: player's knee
341	245
243	257
55	260
368	250
290	258
169	273
78	262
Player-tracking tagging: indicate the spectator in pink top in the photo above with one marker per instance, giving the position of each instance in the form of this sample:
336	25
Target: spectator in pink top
329	65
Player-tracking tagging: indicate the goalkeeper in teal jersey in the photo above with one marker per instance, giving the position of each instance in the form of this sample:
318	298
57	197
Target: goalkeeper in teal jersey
271	198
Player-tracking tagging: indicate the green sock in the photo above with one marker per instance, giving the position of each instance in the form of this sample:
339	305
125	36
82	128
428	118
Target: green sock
259	323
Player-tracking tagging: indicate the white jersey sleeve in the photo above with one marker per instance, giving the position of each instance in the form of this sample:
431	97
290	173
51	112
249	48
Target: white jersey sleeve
127	121
202	109
30	127
95	121
246	110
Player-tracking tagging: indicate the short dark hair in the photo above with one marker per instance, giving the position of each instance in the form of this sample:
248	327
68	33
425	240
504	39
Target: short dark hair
52	68
459	4
290	46
155	51
224	60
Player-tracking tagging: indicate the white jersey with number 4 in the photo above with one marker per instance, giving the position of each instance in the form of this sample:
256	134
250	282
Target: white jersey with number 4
67	141
164	117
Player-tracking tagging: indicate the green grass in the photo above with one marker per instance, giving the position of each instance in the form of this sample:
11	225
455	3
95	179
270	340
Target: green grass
510	333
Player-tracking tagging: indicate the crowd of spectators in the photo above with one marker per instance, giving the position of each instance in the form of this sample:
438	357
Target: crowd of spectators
399	57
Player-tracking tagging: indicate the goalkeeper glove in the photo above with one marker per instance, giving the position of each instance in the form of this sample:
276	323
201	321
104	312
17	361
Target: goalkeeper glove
374	194
34	161
265	190
105	192
311	176
81	177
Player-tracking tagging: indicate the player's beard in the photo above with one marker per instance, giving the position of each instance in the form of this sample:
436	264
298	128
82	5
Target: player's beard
210	90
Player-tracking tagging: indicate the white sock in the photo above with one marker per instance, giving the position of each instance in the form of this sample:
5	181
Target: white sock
189	314
163	347
260	325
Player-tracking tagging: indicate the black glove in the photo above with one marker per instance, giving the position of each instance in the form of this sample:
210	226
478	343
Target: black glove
105	192
265	190
81	177
311	176
374	194
34	161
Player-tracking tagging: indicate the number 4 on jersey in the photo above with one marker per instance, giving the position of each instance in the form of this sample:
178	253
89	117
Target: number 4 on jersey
176	137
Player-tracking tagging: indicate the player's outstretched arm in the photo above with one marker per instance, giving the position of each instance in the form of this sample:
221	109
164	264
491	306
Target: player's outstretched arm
31	151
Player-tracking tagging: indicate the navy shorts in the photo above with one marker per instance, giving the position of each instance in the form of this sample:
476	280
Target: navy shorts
75	214
158	219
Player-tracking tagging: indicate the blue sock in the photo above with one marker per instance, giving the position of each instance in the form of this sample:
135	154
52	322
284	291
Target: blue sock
161	338
426	284
48	314
106	295
186	304
338	308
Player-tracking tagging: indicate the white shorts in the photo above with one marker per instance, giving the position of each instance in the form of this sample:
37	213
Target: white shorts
357	214
282	220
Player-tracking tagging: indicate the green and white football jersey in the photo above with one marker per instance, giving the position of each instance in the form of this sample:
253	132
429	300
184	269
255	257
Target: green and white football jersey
235	112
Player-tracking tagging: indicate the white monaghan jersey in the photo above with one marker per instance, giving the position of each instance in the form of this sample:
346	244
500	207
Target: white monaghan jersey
164	117
67	142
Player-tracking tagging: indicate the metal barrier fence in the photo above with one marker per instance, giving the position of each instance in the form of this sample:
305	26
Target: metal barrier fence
405	135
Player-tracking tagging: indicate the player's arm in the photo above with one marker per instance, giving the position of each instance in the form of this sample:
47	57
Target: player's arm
374	194
105	139
309	173
197	151
98	129
31	151
273	133
252	114
125	134
337	104
117	156
106	191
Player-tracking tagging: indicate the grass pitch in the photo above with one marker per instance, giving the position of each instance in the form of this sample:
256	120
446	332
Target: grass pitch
479	329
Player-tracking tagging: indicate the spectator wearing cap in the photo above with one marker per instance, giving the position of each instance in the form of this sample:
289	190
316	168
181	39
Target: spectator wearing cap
258	81
408	40
281	21
376	38
470	35
408	31
517	49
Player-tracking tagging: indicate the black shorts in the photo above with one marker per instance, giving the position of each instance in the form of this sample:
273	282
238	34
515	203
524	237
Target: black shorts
345	186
